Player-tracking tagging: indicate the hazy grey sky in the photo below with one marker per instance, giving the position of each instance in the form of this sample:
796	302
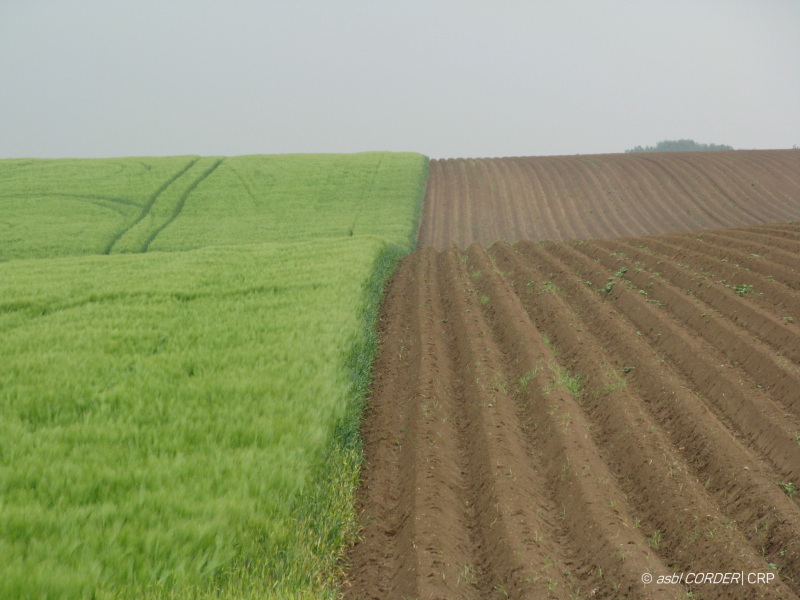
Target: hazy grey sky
445	78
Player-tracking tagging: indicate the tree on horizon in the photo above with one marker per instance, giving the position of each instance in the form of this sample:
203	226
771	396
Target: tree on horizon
679	146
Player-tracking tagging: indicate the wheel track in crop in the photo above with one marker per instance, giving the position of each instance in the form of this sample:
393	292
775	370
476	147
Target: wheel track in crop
109	203
244	183
180	204
148	205
606	196
80	196
530	436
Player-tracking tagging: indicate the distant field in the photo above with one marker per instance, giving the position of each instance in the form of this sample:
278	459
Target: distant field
606	195
161	409
70	207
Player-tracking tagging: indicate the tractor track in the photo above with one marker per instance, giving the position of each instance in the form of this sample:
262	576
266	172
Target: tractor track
148	205
180	204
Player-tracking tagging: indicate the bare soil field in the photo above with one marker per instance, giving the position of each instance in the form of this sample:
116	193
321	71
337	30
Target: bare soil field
556	420
606	195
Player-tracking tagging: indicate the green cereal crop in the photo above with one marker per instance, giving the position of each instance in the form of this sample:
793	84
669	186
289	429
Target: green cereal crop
179	417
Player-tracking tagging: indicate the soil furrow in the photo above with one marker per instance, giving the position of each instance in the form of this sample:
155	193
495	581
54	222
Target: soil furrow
491	218
607	181
454	209
557	430
474	194
515	221
552	200
624	212
489	227
435	534
603	196
651	470
743	183
777	299
700	213
741	484
429	217
539	197
759	307
419	522
760	362
778	231
757	248
467	216
558	420
585	199
743	406
726	189
765	238
784	161
722	250
374	559
654	197
768	174
582	228
523	203
513	528
536	431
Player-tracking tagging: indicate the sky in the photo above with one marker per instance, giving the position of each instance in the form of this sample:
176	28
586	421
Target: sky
448	79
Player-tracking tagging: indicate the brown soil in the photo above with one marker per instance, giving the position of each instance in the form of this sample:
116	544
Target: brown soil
531	435
607	195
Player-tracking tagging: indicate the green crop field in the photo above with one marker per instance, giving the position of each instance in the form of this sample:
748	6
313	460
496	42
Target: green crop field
185	345
70	207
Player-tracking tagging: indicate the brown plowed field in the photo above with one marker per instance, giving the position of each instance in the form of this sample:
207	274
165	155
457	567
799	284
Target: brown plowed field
606	195
555	420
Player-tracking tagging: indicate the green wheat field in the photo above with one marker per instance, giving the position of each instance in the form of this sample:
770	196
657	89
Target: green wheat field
186	346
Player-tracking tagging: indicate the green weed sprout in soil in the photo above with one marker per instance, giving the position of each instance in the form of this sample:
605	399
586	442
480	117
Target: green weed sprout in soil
183	423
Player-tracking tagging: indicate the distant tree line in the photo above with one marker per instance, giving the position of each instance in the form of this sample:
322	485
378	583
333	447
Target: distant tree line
679	146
